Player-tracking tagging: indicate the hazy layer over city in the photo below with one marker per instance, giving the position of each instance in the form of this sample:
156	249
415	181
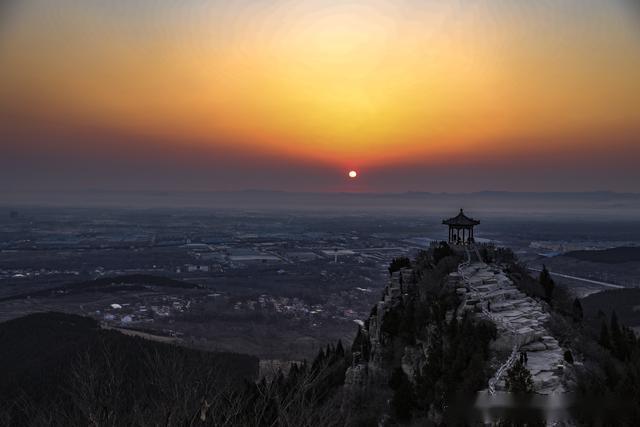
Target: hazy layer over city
586	205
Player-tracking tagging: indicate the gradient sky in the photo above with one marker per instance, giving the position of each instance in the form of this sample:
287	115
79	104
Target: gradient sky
416	95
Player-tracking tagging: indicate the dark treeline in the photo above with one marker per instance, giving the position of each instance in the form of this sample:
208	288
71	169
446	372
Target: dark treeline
610	373
623	301
63	370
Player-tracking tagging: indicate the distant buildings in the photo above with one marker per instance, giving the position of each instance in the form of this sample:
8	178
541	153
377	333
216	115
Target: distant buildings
191	268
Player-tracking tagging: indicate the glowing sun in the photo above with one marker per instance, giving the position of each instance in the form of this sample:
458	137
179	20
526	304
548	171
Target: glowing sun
353	174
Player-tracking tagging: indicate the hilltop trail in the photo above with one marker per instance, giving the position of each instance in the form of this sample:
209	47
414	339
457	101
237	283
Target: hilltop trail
520	320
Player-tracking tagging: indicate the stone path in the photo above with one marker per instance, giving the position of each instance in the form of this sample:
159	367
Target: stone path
520	320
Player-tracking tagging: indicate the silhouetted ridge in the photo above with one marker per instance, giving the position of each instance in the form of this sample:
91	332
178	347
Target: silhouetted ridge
56	364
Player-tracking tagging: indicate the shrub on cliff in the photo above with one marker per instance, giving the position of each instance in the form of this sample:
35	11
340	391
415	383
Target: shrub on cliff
399	263
519	379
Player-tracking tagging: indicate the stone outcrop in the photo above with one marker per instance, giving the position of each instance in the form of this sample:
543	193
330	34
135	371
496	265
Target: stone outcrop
486	291
371	367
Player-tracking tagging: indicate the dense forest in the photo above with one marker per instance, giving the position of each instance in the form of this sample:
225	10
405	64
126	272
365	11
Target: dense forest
608	381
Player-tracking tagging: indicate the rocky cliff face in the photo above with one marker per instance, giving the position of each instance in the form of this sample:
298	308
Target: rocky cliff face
450	326
410	332
374	351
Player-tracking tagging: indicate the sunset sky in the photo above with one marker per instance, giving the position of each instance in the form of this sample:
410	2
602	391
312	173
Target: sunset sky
291	95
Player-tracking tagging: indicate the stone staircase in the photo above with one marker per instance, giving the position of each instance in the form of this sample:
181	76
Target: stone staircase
520	320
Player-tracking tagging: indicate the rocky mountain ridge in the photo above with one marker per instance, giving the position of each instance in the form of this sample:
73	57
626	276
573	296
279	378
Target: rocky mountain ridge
453	325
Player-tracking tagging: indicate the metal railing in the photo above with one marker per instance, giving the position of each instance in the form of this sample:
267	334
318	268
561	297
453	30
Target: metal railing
493	381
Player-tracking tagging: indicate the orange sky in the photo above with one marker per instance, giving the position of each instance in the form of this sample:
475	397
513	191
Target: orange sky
348	84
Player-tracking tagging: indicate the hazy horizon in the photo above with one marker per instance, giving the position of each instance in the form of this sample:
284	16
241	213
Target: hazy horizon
534	206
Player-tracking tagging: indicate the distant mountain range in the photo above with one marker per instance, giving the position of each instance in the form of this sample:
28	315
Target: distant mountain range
596	203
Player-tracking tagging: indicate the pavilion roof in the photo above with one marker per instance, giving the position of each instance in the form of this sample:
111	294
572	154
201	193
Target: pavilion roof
461	220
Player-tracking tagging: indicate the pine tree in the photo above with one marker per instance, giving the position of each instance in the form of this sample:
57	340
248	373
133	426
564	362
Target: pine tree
618	342
433	369
474	377
399	263
360	344
615	326
548	285
578	314
604	340
568	357
358	340
442	251
403	400
519	379
453	328
407	329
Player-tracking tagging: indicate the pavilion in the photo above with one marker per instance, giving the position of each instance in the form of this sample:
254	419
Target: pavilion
461	228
